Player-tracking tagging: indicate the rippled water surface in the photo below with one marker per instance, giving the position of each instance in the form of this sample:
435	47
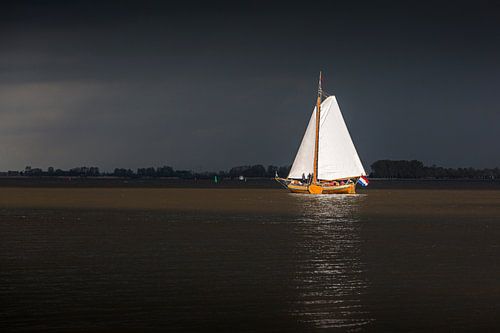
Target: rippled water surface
248	260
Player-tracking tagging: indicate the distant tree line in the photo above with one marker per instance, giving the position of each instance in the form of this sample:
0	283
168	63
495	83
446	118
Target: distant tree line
259	170
246	171
51	172
380	169
416	169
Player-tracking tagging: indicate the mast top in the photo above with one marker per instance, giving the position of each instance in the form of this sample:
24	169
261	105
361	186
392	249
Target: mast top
320	89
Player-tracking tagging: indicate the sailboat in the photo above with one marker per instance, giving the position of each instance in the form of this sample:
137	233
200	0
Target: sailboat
327	161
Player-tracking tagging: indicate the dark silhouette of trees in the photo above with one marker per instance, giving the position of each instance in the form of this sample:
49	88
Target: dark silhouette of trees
247	171
146	172
271	170
416	170
51	172
397	169
167	171
257	170
284	171
119	172
84	172
184	174
380	169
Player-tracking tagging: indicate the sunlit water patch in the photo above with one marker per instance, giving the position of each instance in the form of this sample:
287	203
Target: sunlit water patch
329	277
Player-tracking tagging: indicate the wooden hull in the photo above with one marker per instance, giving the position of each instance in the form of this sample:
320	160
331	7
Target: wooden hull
323	189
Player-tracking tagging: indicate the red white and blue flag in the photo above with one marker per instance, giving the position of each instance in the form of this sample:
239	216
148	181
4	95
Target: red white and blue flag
363	181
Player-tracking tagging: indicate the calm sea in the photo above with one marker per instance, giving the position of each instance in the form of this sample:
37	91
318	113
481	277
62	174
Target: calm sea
237	260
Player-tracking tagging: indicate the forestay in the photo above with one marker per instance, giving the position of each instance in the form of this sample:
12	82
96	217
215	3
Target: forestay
337	156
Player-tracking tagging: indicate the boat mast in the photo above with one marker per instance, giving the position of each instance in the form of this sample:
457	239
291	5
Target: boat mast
316	142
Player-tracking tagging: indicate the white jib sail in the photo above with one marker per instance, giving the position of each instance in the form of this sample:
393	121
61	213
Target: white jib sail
337	156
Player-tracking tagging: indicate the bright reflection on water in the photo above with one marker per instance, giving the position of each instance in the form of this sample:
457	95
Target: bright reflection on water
329	278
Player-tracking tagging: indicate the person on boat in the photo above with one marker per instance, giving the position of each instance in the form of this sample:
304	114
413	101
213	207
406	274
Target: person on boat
303	178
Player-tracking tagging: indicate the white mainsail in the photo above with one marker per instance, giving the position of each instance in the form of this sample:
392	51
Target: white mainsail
337	156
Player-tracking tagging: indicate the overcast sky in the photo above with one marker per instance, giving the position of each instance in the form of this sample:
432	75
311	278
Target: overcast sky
209	86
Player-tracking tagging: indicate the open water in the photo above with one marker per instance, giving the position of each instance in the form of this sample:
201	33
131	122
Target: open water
238	260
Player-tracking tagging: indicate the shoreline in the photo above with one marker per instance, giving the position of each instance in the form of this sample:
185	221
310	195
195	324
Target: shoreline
250	183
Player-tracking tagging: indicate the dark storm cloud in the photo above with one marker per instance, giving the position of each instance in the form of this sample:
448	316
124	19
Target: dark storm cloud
210	86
